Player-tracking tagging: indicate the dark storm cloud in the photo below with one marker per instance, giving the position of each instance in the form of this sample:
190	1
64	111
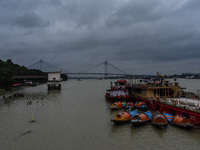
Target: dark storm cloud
30	20
134	12
147	36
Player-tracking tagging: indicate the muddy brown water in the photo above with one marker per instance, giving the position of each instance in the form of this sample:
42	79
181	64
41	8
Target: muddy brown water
78	118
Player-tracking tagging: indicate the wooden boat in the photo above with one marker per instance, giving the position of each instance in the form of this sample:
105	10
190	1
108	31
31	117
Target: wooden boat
168	116
121	118
129	105
182	121
116	106
118	92
159	120
141	119
141	105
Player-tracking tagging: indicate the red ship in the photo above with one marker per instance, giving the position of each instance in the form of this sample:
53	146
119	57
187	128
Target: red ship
118	92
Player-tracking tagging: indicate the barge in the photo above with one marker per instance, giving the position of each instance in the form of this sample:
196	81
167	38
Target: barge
164	96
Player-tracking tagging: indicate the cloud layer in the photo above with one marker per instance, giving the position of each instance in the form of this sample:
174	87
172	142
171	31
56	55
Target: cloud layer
140	37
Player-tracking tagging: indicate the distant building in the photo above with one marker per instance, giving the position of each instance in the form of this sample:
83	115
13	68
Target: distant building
54	81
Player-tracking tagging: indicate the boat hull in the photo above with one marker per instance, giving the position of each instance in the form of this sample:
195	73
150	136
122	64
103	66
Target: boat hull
121	118
184	126
115	99
141	105
117	106
138	123
194	116
120	122
159	120
182	122
141	119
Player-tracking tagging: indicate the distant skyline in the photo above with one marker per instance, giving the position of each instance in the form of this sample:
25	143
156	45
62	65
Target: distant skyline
140	37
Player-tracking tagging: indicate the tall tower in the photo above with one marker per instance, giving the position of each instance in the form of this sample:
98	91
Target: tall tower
106	68
41	64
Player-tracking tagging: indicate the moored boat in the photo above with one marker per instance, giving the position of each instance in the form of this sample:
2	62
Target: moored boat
121	118
129	105
118	92
168	116
116	106
141	105
141	119
132	112
159	120
182	121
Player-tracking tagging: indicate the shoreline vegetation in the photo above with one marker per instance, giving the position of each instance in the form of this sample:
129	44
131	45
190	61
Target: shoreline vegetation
2	91
8	69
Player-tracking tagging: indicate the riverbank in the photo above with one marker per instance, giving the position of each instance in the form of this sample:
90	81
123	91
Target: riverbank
2	91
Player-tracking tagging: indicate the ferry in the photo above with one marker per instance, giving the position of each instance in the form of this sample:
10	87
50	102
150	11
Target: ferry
165	96
119	92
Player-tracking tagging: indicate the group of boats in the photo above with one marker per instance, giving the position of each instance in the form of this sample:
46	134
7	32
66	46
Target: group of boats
167	99
138	118
129	105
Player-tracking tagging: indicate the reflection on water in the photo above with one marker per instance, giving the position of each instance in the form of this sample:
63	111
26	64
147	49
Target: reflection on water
78	117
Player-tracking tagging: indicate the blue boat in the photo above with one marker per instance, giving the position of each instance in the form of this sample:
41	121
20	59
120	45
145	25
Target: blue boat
141	119
141	105
168	116
132	112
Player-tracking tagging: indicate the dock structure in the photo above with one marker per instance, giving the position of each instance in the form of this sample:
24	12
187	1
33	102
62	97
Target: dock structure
54	81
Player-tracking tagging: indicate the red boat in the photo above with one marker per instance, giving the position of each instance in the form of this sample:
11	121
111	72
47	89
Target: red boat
129	105
118	92
159	120
141	105
116	106
141	118
121	118
182	121
161	95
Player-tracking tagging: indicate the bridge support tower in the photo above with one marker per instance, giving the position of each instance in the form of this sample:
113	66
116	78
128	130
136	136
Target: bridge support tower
106	68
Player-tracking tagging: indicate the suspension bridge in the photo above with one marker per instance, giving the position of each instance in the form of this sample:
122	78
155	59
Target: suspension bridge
104	69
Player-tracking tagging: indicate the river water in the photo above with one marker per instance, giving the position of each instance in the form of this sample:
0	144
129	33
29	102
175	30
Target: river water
78	118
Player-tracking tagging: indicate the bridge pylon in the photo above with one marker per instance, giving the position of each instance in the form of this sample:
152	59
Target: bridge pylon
106	68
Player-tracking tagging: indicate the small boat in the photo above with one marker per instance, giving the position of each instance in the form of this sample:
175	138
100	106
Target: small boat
182	121
129	105
141	119
141	105
121	118
168	116
159	120
123	104
132	112
116	106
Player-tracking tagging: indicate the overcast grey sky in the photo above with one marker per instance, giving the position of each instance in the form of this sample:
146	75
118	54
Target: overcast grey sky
138	36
